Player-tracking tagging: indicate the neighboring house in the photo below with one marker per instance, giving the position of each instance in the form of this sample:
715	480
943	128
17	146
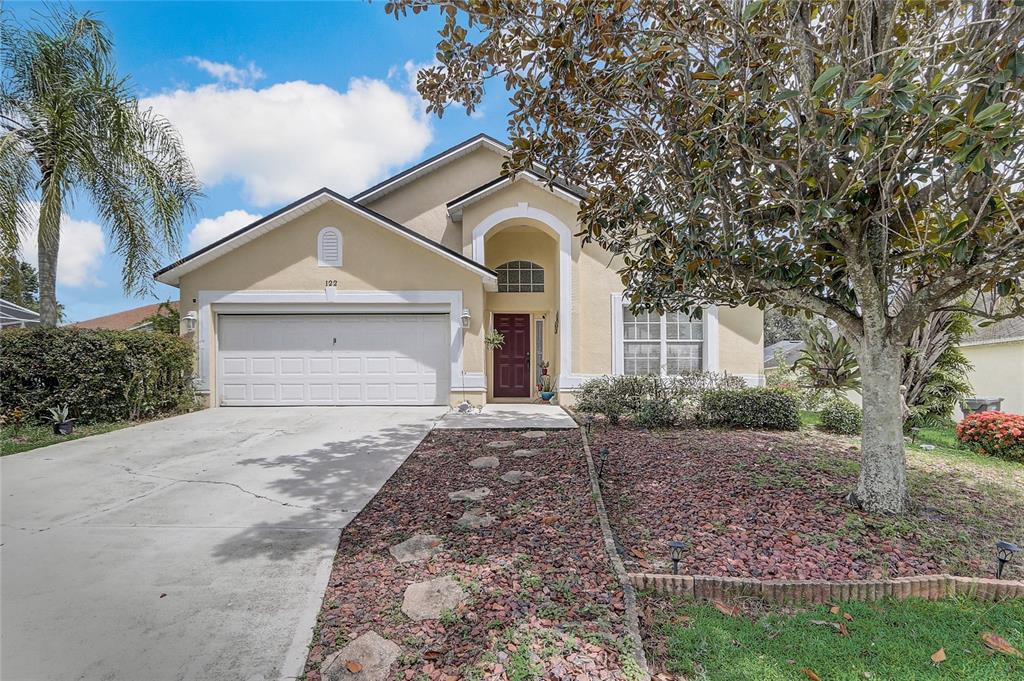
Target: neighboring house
135	319
789	350
16	316
997	354
385	298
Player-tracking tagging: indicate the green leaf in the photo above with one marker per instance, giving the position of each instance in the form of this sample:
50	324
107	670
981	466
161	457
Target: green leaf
783	95
988	112
826	78
752	9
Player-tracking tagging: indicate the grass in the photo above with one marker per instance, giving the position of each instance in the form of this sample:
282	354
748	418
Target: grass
887	640
22	438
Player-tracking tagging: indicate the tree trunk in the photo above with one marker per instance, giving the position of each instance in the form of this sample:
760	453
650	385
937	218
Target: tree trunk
49	246
883	475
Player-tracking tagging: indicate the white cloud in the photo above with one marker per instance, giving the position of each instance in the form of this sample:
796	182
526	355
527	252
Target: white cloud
209	230
228	73
81	248
289	139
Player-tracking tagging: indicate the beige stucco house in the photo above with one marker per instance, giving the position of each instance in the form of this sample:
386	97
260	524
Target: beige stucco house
385	298
996	354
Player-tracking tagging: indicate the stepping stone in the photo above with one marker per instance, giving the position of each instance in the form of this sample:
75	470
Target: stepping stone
427	600
516	477
417	547
475	518
524	453
484	462
370	655
535	434
501	444
470	494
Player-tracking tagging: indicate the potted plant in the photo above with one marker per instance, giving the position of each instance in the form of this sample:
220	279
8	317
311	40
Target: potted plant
544	367
62	425
546	391
494	339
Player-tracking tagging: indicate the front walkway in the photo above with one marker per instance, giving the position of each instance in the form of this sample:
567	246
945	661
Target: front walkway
196	547
510	417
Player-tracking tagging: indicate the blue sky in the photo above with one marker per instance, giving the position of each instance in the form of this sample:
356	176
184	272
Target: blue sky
273	100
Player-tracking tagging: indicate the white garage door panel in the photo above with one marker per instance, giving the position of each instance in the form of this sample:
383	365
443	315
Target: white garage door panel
333	359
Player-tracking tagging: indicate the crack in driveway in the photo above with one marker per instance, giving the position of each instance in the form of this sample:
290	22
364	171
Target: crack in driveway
256	495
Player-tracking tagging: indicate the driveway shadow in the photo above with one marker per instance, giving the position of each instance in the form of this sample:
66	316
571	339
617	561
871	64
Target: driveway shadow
327	486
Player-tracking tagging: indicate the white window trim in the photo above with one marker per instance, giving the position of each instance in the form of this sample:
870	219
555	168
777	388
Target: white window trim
709	352
210	303
320	260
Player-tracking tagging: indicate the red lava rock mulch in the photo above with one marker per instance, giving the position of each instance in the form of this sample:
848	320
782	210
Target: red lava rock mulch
543	601
771	506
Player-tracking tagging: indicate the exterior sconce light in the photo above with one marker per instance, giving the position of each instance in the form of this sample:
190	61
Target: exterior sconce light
676	547
465	318
1004	554
604	459
190	322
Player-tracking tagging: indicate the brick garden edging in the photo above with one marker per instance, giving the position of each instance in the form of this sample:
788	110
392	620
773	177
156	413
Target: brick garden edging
625	579
931	587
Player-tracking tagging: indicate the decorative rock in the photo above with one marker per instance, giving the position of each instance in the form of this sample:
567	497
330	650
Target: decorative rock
427	600
417	547
371	655
535	434
516	477
484	462
475	518
524	453
927	448
501	444
470	494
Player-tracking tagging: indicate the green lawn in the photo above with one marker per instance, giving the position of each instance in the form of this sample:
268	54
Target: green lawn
886	640
15	439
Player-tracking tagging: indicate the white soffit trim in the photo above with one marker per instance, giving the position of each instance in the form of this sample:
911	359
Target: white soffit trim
172	275
430	165
455	208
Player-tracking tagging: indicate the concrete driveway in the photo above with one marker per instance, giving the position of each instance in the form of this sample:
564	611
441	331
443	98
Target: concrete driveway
197	547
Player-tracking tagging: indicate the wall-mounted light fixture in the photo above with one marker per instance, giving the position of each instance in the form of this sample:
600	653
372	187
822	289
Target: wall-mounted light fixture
190	321
465	318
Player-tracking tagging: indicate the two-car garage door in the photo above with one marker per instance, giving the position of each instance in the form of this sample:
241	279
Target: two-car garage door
333	359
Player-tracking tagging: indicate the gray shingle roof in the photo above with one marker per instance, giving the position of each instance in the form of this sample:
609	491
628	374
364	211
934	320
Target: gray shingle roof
1000	331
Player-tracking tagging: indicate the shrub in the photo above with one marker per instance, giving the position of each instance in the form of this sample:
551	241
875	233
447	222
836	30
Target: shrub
617	396
656	414
840	415
102	375
993	433
767	408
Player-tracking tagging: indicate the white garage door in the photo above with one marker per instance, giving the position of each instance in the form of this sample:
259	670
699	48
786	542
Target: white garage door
333	359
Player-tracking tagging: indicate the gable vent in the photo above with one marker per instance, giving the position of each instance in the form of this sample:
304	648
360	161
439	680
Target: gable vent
328	247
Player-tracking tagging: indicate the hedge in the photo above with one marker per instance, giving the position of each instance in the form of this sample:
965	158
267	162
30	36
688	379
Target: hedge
768	408
840	415
100	375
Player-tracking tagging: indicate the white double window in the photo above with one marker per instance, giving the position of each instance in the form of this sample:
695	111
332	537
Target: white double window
669	344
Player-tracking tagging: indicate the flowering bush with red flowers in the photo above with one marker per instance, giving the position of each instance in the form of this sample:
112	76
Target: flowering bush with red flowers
993	433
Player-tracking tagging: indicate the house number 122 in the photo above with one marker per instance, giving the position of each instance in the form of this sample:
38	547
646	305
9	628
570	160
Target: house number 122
330	282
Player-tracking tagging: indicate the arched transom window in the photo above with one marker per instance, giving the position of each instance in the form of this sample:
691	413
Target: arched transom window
520	276
328	247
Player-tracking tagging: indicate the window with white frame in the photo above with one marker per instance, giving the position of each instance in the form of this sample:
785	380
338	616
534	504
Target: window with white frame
520	276
667	344
328	247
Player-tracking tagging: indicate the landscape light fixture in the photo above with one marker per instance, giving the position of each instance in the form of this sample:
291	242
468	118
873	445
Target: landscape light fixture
1004	554
676	547
588	423
604	460
913	435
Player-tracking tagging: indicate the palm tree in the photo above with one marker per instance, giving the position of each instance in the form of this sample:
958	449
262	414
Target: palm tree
70	124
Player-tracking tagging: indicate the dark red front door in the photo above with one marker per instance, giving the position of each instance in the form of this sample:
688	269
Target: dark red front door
512	360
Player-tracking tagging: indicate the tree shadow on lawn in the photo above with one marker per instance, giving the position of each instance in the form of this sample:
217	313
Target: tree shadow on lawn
321	489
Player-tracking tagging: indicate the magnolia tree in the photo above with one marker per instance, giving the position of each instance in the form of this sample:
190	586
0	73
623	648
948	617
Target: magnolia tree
818	156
